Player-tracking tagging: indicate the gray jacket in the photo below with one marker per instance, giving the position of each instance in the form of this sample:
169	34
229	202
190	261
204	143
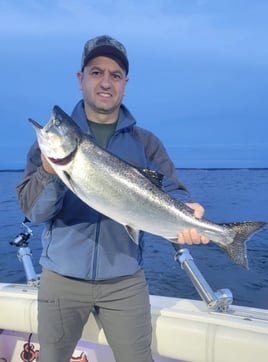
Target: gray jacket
77	240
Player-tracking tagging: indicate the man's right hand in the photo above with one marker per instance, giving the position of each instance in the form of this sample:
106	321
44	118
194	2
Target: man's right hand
46	165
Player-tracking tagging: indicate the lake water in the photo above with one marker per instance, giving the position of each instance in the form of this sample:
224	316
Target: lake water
228	195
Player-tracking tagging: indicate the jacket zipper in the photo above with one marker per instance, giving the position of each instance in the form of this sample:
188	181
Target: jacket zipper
96	249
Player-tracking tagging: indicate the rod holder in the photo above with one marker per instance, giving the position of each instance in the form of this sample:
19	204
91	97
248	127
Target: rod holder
216	301
24	254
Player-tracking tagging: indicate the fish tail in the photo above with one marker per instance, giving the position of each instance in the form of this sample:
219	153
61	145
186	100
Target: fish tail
237	250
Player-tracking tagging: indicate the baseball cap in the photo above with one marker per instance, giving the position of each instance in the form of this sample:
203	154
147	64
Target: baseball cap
105	46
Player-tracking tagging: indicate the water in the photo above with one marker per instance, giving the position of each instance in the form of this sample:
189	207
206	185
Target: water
227	195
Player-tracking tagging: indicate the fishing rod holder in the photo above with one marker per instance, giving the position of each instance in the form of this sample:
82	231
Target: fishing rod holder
216	301
24	254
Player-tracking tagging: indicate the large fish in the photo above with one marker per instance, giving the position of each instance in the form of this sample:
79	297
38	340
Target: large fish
124	193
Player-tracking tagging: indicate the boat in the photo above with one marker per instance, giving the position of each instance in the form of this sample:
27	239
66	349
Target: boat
211	329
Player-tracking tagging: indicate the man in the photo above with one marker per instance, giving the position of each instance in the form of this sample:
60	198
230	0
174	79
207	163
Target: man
88	260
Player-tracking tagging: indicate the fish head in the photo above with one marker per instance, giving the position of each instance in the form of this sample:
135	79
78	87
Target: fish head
59	138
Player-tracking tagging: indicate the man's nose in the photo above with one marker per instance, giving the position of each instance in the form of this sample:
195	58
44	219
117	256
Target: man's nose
106	80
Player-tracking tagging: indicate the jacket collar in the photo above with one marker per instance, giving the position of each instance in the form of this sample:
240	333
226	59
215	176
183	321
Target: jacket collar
125	119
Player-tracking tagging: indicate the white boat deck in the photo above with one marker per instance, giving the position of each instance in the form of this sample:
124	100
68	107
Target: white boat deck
183	330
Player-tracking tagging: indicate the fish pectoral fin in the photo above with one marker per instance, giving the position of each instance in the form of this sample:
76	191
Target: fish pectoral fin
133	233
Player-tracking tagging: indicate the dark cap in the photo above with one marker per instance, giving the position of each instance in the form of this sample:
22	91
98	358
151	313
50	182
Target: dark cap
105	46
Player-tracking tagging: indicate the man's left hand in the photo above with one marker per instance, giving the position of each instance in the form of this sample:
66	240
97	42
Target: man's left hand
192	236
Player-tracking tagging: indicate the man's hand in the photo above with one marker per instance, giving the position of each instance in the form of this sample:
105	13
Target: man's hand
192	236
47	166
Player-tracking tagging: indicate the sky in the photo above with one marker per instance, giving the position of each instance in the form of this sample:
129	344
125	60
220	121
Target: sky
198	73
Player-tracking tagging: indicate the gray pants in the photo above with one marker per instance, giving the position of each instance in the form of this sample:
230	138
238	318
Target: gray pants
123	308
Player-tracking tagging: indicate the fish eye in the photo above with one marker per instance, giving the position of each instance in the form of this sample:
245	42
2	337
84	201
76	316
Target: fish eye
57	122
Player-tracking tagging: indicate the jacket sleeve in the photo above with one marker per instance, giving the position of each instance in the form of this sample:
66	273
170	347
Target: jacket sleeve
40	195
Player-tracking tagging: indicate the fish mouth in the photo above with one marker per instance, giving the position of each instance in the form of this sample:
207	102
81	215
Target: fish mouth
35	125
63	161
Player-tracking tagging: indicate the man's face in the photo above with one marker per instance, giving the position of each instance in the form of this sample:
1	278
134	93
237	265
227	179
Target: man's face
103	84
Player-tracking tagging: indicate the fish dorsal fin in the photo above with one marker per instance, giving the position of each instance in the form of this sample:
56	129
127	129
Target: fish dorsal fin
154	176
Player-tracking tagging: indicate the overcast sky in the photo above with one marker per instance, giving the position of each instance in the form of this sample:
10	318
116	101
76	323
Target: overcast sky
198	72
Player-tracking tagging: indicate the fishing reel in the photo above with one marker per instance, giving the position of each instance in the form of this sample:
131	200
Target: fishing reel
24	254
21	240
